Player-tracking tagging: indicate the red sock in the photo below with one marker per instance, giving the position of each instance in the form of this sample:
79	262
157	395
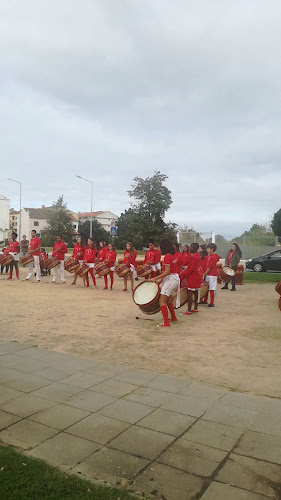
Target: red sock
111	279
93	276
172	311
105	281
11	273
212	296
164	311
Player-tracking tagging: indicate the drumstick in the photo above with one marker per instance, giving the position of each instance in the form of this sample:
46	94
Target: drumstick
147	319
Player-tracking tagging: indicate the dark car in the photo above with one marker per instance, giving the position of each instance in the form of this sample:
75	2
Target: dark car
268	262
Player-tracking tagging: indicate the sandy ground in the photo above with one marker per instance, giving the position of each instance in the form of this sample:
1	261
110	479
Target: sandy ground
237	344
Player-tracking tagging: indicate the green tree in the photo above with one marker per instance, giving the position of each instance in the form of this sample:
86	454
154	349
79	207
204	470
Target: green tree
153	198
59	222
99	233
276	223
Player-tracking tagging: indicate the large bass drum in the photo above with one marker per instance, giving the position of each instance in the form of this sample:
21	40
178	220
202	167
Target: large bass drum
146	296
226	273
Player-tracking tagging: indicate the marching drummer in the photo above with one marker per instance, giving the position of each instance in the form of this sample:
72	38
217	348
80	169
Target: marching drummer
211	273
89	259
14	249
130	258
103	248
78	254
149	255
193	273
59	251
171	282
34	250
110	259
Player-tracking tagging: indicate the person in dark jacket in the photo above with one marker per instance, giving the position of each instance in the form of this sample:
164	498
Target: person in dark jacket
232	259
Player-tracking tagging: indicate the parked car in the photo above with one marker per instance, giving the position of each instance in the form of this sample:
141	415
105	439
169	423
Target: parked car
268	262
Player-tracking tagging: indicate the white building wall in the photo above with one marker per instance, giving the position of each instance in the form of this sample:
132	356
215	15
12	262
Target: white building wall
4	217
25	223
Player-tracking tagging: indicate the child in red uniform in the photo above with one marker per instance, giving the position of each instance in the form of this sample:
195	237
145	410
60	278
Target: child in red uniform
78	254
110	259
171	282
148	258
89	259
184	257
193	273
59	251
14	249
177	254
211	273
129	258
34	249
103	248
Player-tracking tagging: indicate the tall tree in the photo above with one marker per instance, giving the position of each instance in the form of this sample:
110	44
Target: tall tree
153	198
99	233
58	222
276	223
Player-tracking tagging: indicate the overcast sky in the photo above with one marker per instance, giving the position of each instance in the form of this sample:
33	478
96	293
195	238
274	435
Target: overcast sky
114	89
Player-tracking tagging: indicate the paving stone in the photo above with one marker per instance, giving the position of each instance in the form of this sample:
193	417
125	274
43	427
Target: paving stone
8	358
106	370
7	393
149	397
56	373
35	353
8	347
20	381
162	482
168	422
230	415
186	405
136	376
7	419
272	405
59	416
65	450
193	457
128	411
115	388
218	491
142	442
168	384
111	465
98	428
90	400
26	434
267	422
251	474
245	401
57	392
26	405
84	380
261	446
198	390
222	437
22	364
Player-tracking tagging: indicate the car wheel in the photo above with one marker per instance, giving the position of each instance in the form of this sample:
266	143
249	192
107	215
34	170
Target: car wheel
258	267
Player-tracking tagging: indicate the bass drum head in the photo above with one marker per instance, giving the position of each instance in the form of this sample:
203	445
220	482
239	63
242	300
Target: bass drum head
145	293
229	271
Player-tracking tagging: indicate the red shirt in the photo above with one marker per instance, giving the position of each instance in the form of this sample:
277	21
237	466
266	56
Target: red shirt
59	250
211	264
230	255
90	255
156	256
110	257
44	255
13	246
178	256
35	243
149	256
130	258
194	271
172	261
79	251
185	258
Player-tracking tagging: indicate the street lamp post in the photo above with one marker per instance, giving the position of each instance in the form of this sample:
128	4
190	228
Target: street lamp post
91	224
18	182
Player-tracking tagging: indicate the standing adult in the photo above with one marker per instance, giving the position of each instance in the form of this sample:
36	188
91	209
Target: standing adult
14	249
24	245
34	249
232	259
59	251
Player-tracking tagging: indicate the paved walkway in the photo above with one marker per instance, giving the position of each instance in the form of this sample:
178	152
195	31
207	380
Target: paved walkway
160	437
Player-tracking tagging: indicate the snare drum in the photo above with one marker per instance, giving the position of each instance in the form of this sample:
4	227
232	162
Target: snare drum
144	270
52	262
226	273
123	269
146	296
82	270
278	288
183	298
71	264
26	259
6	259
103	269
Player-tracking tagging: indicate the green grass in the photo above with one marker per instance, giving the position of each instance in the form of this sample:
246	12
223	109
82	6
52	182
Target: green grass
261	277
23	478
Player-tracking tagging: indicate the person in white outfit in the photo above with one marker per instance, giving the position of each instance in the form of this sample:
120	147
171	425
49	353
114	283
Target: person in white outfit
34	249
59	251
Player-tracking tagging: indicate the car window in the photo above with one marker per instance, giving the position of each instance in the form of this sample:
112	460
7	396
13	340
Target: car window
277	255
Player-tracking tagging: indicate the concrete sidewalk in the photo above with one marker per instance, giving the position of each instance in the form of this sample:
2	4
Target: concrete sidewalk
154	435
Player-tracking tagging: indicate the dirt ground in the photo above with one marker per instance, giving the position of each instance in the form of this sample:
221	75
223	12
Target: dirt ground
236	345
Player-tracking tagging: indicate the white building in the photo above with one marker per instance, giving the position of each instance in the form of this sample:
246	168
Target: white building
106	218
4	218
36	218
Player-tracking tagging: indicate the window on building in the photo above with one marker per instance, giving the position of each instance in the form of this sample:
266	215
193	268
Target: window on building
36	223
